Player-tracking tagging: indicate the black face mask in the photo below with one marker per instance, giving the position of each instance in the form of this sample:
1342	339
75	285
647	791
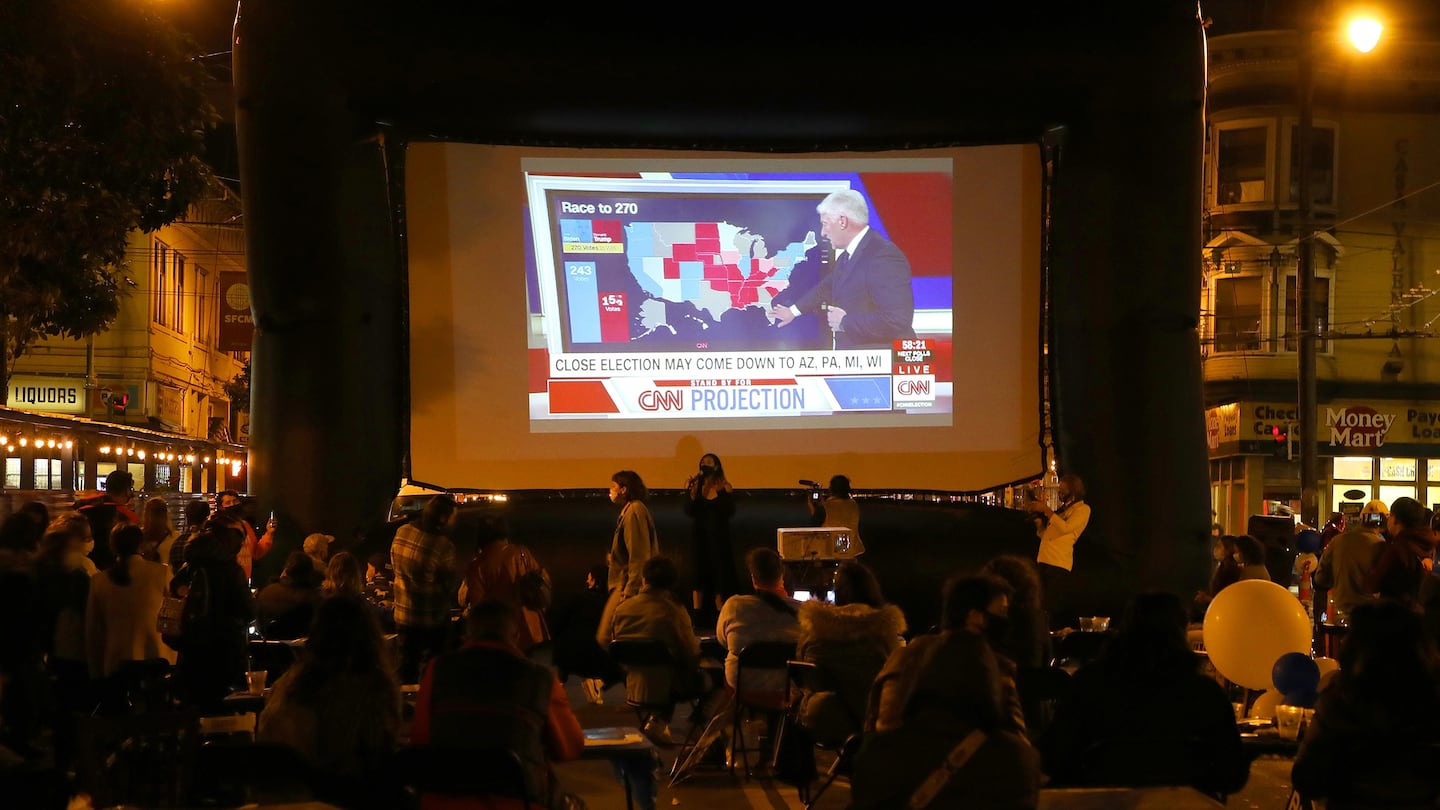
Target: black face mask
997	629
706	469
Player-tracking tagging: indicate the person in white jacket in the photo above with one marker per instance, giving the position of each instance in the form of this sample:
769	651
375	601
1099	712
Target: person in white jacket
1059	530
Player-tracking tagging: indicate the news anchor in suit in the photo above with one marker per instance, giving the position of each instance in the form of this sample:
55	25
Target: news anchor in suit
867	295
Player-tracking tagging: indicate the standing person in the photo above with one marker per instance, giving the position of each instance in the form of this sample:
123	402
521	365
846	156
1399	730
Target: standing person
1226	572
839	510
423	559
122	607
496	572
106	510
1398	570
867	297
218	610
1346	562
1376	726
1059	530
255	546
710	503
196	513
64	589
22	678
634	542
160	532
1250	553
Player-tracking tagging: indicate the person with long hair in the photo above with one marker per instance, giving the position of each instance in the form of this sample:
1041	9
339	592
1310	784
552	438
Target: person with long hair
1059	530
1376	727
423	559
342	576
848	642
1142	714
633	542
1026	640
285	607
160	532
710	504
123	605
339	706
1224	552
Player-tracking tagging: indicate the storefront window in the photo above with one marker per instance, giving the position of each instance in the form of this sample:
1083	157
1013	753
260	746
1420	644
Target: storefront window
102	469
162	475
1354	468
47	473
1432	497
1337	495
1432	469
1389	494
1397	469
12	473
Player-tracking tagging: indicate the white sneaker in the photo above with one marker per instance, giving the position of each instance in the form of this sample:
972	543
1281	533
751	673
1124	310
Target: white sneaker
594	690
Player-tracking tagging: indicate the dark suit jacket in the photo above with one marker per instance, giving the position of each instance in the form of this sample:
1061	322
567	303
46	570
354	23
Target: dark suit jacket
874	290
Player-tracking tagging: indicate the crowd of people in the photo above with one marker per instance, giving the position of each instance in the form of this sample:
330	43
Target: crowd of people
972	710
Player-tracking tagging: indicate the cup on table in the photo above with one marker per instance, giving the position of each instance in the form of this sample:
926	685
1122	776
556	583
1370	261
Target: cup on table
1239	710
1287	721
255	679
1100	624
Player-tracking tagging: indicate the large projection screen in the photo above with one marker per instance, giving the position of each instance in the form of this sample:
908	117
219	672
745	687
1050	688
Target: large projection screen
578	312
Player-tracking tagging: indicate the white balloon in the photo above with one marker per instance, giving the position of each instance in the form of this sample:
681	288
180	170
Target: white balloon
1326	665
1264	705
1249	625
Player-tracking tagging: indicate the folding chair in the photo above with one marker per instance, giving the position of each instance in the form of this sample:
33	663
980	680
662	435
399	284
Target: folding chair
145	760
758	657
650	657
805	676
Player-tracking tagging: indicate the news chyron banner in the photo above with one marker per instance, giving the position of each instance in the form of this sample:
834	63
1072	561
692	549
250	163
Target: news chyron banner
670	297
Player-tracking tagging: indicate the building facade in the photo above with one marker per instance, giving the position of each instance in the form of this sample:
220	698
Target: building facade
1375	209
149	394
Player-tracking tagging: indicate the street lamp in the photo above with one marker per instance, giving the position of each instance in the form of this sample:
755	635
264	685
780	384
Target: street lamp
1364	35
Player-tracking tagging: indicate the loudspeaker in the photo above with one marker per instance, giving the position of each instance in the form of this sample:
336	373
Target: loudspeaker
1277	534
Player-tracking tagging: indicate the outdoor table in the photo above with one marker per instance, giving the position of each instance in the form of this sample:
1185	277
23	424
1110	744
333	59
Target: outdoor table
617	745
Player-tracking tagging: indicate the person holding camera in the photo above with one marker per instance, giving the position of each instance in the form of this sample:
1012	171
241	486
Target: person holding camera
1059	530
1345	563
838	510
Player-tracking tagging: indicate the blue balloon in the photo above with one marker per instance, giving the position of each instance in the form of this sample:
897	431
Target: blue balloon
1302	699
1308	541
1296	674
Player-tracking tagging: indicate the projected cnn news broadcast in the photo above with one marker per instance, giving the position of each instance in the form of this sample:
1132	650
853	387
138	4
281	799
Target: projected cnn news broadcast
722	300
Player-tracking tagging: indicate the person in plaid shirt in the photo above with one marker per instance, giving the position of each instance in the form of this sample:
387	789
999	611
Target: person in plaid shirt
423	560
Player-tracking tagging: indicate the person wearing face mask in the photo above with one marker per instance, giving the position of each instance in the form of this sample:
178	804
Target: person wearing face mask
710	503
1226	572
633	542
1143	714
949	699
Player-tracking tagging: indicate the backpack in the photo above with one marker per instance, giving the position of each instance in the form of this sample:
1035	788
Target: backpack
533	589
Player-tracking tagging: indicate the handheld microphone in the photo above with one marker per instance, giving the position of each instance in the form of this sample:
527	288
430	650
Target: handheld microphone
805	483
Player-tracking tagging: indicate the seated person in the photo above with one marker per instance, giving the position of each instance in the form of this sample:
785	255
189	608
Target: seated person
575	650
1377	725
654	613
285	607
767	615
339	706
848	642
488	694
1142	714
941	698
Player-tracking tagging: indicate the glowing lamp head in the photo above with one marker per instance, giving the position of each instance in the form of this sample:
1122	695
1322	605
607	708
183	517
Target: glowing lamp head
1364	33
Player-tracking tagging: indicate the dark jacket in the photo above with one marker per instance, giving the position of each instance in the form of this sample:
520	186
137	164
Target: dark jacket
284	609
1120	726
1397	572
213	650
